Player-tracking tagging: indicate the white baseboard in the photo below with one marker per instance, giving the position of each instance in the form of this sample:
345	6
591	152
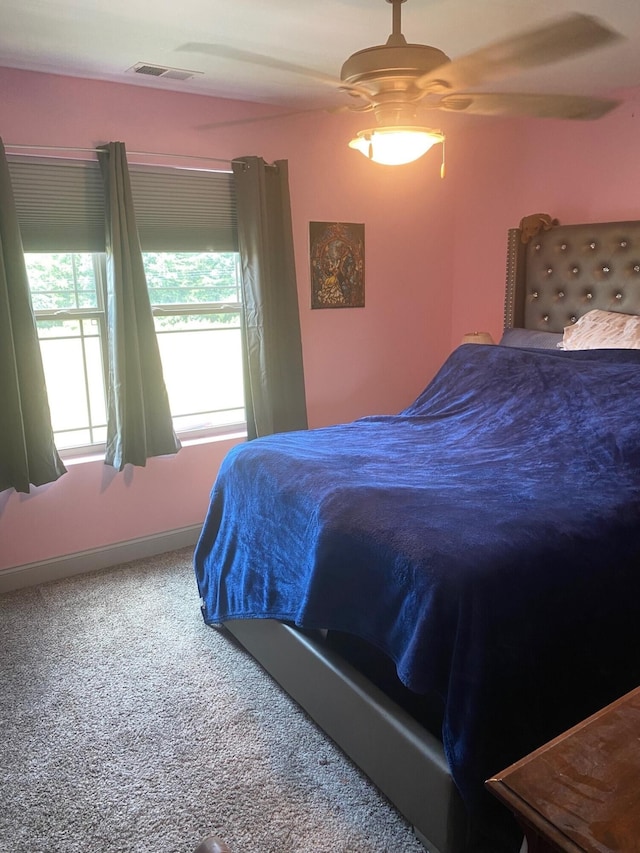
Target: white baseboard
31	574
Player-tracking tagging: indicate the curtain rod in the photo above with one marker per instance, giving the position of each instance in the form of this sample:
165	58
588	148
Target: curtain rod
132	153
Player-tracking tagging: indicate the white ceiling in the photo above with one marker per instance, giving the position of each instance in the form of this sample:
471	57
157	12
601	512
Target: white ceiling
103	38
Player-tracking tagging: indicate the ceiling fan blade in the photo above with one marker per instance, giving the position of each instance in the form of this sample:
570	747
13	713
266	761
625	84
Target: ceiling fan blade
558	40
294	113
525	105
224	51
252	119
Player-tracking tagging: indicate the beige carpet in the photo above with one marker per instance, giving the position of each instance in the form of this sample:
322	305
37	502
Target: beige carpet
128	725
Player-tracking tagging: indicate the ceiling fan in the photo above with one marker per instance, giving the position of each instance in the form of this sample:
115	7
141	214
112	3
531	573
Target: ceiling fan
396	80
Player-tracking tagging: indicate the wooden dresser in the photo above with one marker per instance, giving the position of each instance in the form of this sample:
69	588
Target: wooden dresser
580	793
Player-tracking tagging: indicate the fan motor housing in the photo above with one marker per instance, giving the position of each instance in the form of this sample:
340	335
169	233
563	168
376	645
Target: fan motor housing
381	61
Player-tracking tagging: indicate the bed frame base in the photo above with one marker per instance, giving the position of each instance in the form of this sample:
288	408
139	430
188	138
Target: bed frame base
401	757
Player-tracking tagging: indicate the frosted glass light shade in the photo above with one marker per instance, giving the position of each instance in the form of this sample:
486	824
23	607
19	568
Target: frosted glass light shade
395	145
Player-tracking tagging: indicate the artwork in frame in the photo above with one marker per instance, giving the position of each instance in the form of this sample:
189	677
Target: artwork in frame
337	264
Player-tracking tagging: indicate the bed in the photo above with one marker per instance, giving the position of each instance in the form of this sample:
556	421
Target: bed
446	589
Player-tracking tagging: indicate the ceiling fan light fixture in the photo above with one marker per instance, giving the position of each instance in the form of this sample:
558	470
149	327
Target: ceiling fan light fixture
397	144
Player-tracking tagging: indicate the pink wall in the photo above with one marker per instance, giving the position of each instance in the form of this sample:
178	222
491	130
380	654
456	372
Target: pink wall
356	361
575	171
92	505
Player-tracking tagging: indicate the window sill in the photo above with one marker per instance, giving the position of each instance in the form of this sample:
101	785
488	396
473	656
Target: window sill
77	456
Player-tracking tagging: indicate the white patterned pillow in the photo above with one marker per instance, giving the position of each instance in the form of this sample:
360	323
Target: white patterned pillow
599	329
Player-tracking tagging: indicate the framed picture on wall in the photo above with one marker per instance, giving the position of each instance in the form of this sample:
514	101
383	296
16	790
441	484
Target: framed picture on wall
336	251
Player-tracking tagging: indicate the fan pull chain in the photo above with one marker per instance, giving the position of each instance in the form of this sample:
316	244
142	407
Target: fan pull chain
443	169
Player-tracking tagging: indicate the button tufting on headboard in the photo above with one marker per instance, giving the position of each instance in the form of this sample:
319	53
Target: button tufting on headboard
545	294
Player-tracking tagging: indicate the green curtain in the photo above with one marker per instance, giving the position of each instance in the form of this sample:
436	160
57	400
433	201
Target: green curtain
139	423
28	455
273	368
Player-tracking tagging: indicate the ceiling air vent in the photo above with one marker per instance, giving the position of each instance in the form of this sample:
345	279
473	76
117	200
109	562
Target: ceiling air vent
162	71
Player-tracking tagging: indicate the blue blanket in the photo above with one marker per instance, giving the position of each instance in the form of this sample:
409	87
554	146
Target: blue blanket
486	539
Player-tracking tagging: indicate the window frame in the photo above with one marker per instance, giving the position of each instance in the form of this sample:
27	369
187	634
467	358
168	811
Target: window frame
98	313
205	309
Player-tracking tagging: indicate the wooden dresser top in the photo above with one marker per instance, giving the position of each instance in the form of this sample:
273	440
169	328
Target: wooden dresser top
581	791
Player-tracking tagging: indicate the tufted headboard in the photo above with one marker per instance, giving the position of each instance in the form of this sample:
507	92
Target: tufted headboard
562	273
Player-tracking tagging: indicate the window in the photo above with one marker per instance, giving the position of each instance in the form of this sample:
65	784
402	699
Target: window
187	228
67	295
196	304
